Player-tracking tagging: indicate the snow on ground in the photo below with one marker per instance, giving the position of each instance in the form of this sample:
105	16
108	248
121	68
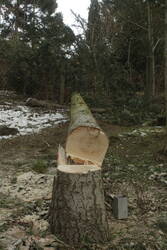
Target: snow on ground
144	131
26	120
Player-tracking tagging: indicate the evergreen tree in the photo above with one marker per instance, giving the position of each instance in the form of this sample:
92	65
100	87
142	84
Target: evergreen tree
39	45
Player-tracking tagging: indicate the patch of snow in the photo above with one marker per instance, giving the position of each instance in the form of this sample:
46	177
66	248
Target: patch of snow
143	131
26	120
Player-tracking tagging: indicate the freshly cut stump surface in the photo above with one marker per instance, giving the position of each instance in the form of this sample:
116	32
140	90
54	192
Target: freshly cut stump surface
86	142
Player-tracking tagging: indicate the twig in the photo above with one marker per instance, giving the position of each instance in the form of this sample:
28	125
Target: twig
156	44
15	244
108	205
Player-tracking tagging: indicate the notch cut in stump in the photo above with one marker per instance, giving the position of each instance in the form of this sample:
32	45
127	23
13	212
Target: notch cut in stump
86	142
77	211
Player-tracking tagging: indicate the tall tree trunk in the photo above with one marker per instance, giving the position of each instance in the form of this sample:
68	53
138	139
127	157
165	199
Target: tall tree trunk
16	34
150	88
166	59
153	67
1	15
62	88
129	62
93	38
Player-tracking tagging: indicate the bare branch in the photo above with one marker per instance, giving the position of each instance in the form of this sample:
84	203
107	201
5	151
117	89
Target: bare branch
156	44
80	20
138	25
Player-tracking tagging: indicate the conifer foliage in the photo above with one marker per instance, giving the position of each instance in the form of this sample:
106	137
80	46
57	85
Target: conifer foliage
119	52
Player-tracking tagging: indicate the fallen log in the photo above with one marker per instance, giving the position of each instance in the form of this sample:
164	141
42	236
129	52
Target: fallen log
86	142
33	102
77	212
5	130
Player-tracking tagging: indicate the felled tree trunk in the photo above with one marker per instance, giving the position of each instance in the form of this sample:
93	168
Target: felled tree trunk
86	142
77	210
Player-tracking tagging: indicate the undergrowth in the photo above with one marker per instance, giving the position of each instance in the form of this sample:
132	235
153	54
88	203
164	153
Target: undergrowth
40	166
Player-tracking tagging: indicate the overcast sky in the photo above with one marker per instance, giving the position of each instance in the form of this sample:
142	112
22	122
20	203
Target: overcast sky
78	6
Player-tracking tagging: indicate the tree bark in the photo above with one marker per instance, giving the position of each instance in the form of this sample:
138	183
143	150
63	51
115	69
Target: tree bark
166	60
150	84
15	32
62	89
77	212
86	141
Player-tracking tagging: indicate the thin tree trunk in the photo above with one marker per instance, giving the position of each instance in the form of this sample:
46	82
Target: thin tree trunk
62	89
154	49
153	66
1	15
129	64
166	59
150	60
16	34
33	22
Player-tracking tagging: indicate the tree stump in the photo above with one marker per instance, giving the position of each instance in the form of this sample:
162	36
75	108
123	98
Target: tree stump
77	210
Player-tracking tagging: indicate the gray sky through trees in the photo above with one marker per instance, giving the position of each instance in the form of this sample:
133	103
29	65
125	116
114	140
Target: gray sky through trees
78	6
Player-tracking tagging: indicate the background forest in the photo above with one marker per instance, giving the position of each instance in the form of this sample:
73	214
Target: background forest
118	59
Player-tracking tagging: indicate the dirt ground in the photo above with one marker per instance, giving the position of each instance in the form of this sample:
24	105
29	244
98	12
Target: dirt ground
134	166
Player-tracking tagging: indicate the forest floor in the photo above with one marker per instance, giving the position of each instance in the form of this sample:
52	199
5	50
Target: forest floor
135	166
